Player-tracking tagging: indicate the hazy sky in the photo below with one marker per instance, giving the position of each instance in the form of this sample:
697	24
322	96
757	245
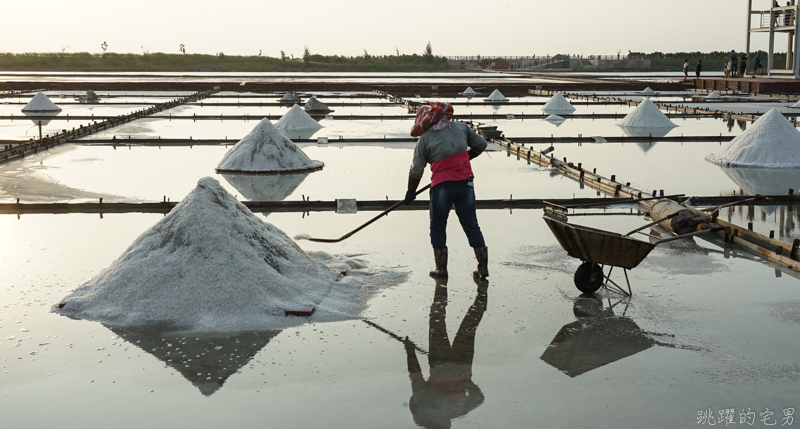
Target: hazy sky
347	27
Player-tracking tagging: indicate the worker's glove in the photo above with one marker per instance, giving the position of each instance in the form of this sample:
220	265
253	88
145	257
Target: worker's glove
411	193
473	154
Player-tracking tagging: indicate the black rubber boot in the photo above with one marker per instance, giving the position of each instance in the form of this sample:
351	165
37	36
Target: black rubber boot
440	257
482	255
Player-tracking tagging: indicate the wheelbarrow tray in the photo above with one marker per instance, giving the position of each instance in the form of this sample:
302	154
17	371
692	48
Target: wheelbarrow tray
598	246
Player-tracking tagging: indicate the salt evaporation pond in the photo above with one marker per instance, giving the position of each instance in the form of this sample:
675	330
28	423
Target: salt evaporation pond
715	320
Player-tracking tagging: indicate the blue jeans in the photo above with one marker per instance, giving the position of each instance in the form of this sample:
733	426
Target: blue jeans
461	195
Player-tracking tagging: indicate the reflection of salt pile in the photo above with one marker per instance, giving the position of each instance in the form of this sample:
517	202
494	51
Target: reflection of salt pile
648	91
266	150
558	104
496	97
764	181
206	361
714	96
555	120
210	262
273	187
41	104
646	115
314	105
771	142
645	146
297	119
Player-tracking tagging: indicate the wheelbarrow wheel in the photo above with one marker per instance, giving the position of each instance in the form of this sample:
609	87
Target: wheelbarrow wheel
588	277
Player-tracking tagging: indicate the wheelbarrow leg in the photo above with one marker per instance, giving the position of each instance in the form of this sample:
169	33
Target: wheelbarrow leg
618	288
630	293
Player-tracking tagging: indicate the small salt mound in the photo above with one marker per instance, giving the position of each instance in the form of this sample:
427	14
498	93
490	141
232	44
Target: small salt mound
496	96
469	91
558	104
646	115
296	118
291	97
713	96
314	105
91	95
40	104
648	91
265	149
209	263
771	142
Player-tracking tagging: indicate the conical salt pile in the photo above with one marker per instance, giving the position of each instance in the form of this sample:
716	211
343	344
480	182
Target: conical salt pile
314	105
646	115
558	104
91	95
266	150
210	263
296	118
469	91
40	104
648	91
771	142
796	105
496	96
291	97
713	96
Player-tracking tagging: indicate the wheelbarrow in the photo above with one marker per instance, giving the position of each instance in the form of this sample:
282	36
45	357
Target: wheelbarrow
598	249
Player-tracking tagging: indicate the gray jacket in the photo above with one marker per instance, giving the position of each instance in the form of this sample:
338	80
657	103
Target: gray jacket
437	145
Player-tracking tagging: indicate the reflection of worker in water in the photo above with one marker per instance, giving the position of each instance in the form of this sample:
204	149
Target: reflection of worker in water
449	392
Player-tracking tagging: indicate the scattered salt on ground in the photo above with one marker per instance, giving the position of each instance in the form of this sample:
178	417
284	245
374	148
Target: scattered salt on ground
558	104
296	118
265	149
211	264
291	97
40	103
469	91
771	142
496	96
646	115
648	91
714	95
314	105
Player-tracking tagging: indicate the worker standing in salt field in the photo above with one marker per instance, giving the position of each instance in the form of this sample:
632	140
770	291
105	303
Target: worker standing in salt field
448	147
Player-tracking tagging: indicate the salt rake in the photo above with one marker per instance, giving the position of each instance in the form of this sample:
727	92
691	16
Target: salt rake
350	234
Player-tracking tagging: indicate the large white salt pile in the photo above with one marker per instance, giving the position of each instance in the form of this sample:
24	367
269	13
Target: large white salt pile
296	118
558	104
40	104
496	97
210	261
648	91
771	142
211	264
314	105
713	96
646	115
265	150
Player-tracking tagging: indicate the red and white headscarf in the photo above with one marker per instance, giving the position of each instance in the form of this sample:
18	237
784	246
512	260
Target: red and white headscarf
435	115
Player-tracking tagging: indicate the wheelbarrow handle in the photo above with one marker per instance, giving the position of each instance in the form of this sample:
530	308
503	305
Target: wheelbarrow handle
691	234
651	224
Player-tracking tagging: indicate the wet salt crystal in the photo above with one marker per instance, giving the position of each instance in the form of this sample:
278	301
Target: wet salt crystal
218	348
